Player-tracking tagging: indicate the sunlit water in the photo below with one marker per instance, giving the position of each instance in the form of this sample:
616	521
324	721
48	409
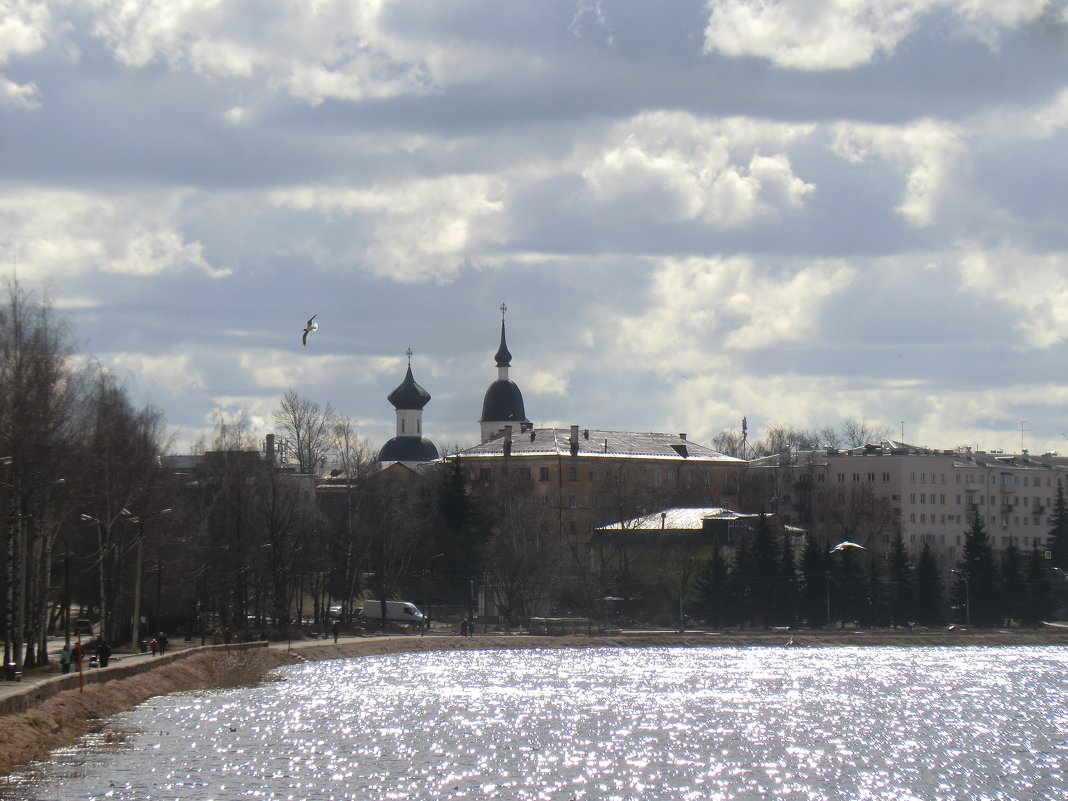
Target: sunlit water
723	723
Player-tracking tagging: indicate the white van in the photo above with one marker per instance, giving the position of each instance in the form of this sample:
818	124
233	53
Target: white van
396	612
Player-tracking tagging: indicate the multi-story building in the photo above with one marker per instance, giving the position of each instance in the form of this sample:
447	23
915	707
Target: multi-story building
865	493
587	477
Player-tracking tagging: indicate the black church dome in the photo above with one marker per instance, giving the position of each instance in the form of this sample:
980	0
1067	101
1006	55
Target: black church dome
408	449
503	402
409	395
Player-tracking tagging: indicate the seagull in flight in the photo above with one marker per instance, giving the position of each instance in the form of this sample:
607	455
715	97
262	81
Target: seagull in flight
311	326
846	544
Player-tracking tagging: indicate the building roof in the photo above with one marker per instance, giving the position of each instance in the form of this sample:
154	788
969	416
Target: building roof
596	443
677	519
408	449
408	394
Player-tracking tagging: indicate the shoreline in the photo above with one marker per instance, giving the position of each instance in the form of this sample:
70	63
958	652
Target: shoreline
63	718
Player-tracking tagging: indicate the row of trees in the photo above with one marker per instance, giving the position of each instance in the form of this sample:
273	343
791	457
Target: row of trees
766	585
73	447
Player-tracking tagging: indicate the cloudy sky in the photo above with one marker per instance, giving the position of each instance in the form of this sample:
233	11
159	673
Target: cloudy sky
793	211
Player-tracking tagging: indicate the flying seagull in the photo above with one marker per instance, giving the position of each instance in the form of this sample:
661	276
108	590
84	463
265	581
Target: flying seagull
846	544
311	326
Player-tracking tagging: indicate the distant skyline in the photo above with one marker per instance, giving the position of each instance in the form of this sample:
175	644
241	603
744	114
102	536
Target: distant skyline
695	211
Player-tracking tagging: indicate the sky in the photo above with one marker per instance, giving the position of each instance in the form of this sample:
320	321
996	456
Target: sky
796	212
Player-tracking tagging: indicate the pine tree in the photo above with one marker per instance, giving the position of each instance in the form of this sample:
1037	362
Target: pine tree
850	587
815	583
1058	533
877	612
1038	605
902	583
765	579
712	586
1013	586
788	593
976	593
929	605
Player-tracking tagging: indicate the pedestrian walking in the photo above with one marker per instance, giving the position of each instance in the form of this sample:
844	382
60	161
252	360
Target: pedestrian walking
153	646
162	641
103	653
337	631
65	658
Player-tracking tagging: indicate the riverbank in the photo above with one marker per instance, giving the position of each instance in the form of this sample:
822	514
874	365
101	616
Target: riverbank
65	717
60	720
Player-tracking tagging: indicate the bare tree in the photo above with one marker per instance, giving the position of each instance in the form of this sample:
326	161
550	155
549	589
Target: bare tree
37	392
308	427
856	432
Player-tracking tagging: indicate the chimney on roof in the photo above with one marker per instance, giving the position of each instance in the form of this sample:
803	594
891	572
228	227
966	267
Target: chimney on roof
507	440
586	434
682	435
574	440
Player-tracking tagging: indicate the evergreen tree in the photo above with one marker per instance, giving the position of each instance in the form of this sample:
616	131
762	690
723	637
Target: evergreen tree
712	588
1013	586
787	592
1058	533
877	613
849	590
739	587
765	573
976	593
1038	605
902	591
815	583
929	607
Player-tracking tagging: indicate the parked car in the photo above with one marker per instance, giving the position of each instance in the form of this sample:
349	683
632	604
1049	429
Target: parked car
84	627
396	612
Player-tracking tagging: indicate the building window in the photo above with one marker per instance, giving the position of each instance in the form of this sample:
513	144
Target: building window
886	476
912	497
871	476
543	474
856	477
573	502
524	473
572	474
841	478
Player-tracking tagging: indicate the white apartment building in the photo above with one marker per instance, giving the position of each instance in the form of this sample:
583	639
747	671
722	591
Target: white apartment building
932	493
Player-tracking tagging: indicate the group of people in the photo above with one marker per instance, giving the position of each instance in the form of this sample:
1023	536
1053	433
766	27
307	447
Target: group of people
99	652
74	655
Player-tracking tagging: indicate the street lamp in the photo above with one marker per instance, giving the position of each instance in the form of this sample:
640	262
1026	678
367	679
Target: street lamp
967	596
140	520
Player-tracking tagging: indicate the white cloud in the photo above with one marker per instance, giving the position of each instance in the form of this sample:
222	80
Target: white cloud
1034	287
684	167
70	232
701	309
169	371
842	34
315	49
423	230
928	151
18	97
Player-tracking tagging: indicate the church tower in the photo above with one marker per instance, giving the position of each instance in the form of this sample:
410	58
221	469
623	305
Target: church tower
503	404
409	445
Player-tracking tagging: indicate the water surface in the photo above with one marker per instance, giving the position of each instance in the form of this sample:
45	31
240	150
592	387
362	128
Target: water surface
687	723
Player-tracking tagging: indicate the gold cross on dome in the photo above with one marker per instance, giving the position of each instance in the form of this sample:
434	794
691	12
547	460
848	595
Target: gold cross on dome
504	308
408	353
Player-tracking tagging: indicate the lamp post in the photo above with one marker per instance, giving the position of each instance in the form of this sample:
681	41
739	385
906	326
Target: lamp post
967	596
140	520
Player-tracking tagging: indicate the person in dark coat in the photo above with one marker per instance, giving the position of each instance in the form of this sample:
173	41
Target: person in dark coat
103	653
